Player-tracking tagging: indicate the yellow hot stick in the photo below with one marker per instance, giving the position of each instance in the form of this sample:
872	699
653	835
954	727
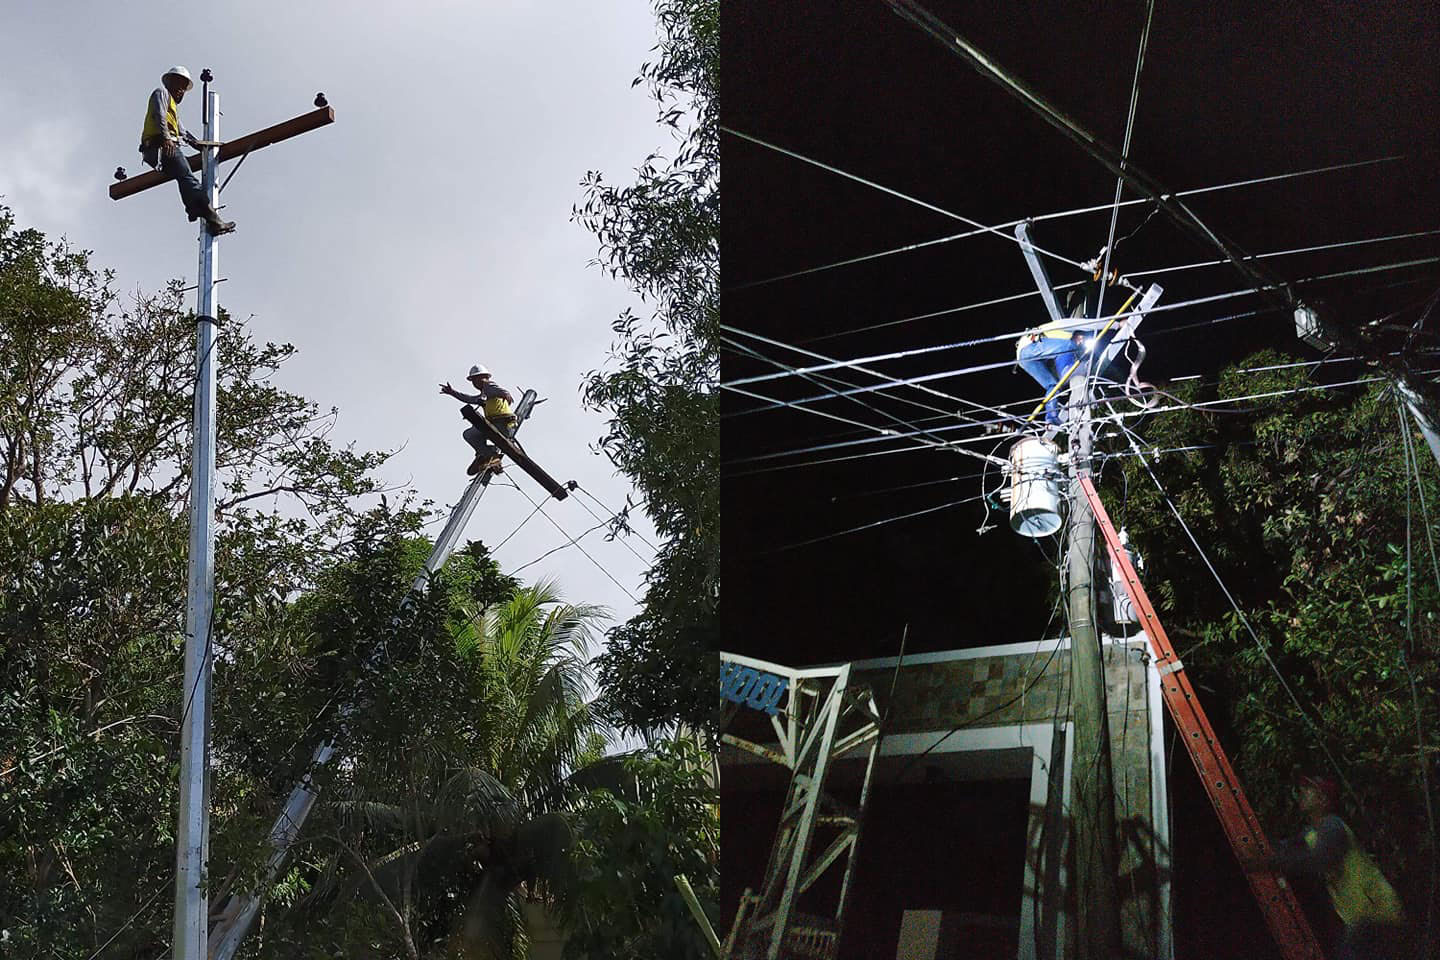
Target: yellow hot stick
1061	382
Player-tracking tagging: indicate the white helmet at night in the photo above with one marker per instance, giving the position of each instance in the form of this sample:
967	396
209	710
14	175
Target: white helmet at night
478	370
182	73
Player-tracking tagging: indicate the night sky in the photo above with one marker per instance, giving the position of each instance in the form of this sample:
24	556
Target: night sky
1229	92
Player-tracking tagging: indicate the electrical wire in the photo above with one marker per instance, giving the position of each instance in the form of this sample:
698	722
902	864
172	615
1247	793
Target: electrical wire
1145	184
127	924
609	522
895	193
1412	467
522	523
573	542
971	721
978	341
1314	248
1125	156
951	444
1239	613
1096	208
847	393
867	370
617	513
920	434
865	526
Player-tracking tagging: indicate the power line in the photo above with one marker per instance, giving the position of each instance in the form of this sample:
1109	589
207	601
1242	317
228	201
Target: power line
847	394
608	521
521	524
867	526
1096	208
573	542
874	373
1177	211
1285	253
895	193
978	341
1125	154
127	924
1234	605
616	513
838	444
1065	286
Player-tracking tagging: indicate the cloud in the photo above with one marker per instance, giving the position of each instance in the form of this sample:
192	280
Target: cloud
37	169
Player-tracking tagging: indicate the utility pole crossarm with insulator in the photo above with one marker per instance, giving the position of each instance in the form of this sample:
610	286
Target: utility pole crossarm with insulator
192	837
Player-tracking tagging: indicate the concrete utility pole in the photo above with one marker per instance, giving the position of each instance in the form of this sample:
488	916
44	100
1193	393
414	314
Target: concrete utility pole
192	834
1094	800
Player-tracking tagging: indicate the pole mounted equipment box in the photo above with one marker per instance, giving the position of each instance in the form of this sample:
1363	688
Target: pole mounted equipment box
1308	327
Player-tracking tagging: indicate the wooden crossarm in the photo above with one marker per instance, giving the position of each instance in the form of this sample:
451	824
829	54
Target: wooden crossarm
507	446
232	149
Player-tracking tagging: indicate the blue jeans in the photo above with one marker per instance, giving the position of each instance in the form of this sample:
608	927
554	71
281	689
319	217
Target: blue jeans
478	439
1046	360
191	194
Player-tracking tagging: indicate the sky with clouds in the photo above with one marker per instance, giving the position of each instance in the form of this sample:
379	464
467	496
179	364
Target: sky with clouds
425	230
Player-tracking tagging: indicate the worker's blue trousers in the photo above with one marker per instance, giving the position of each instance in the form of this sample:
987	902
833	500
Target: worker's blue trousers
1046	360
191	193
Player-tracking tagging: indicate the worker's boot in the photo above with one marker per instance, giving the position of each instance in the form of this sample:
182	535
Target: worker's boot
475	465
213	221
217	226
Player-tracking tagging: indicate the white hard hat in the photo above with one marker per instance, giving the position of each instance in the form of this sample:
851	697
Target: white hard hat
182	73
478	371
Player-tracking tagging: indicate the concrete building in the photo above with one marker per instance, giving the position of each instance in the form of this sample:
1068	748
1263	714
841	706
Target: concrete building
965	848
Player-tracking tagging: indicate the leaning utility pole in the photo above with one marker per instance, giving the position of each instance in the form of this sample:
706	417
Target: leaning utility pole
192	834
1094	800
239	910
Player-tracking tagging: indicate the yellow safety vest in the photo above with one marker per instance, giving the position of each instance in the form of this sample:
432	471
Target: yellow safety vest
153	130
1358	889
497	407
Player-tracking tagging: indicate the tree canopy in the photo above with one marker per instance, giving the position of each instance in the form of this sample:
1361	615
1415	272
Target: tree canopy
661	235
448	824
1319	513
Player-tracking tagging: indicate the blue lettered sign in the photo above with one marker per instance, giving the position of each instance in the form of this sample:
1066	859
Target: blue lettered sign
751	687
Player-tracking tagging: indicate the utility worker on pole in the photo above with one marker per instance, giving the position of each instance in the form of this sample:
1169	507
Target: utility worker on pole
495	402
160	140
1369	907
1049	350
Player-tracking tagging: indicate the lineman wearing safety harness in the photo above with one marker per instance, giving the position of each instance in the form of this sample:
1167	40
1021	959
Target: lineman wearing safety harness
1368	905
160	147
496	402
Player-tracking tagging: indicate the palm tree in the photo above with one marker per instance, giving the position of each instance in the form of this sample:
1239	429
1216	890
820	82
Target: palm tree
450	832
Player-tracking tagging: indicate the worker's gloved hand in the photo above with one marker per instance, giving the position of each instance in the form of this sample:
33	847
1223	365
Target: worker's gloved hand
168	148
446	388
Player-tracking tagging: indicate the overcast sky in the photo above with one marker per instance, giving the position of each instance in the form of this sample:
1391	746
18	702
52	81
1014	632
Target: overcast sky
425	230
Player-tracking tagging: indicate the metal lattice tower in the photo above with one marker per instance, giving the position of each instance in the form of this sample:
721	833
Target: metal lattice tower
821	717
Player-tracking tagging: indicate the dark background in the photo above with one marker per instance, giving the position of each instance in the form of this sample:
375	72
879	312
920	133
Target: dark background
1229	91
